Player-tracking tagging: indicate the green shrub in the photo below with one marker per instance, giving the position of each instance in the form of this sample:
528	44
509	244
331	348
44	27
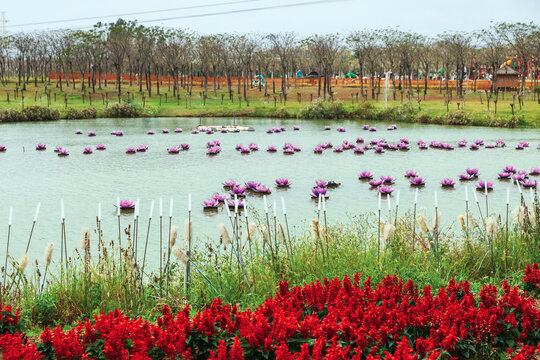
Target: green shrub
321	109
31	113
366	111
402	113
88	113
123	110
458	117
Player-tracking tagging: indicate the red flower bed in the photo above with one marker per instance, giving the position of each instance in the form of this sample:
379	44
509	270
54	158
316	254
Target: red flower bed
531	279
329	320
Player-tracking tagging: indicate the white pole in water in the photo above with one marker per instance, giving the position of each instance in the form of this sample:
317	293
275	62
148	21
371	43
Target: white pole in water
386	89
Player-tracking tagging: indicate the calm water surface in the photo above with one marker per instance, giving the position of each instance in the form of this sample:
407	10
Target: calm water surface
31	176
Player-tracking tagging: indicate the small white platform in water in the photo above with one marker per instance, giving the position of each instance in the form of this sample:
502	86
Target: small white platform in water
230	128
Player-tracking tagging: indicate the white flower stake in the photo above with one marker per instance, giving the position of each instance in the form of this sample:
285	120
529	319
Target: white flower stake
10	221
171	204
150	214
414	214
379	228
62	215
189	202
99	212
33	225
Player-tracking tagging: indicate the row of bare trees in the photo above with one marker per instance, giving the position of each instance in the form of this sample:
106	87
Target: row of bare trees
126	47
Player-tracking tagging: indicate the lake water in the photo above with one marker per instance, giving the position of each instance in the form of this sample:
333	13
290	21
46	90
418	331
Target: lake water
31	176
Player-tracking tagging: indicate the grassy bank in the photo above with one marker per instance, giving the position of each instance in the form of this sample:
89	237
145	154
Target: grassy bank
105	277
437	108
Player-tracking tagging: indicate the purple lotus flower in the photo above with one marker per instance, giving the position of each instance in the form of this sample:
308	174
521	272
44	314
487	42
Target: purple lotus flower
472	172
404	140
509	169
446	182
283	182
365	127
296	127
462	143
209	131
271	148
253	147
262	190
423	146
58	148
504	175
100	147
165	131
210	144
327	127
127	205
245	150
194	131
220	197
359	140
388	179
375	182
92	133
520	147
500	143
174	150
238	190
184	146
214	150
113	132
282	128
210	203
374	142
150	132
365	175
269	131
277	130
465	177
252	185
316	191
130	150
223	130
87	150
481	185
411	173
518	177
447	146
78	131
341	129
489	146
321	183
318	150
328	145
535	171
63	152
41	147
390	128
474	147
142	148
403	146
524	143
379	149
119	133
385	190
417	181
338	149
178	130
367	147
230	184
523	172
296	148
239	147
479	142
239	204
3	148
358	150
528	183
373	128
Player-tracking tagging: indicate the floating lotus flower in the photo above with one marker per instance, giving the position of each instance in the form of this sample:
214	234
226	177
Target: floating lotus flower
524	143
252	185
523	173
411	173
472	172
365	127
131	150
214	150
209	131
403	147
422	146
479	142
341	129
165	131
327	127
528	183
41	147
462	143
150	132
374	142
253	147
100	147
509	169
210	204
365	175
223	130
375	182
184	146
245	150
213	143
358	150
87	150
239	147
173	150
229	184
318	191
271	148
318	150
481	185
78	131
447	146
465	177
504	175
119	133
63	152
288	151
388	179
474	147
535	171
391	127
127	205
321	183
379	149
178	130
347	144
219	197
446	182
489	146
417	181
338	149
92	133
142	148
359	140
385	190
518	177
296	127
269	131
282	128
194	131
57	149
328	145
373	128
520	147
282	183
262	190
500	143
2	148
404	140
391	147
238	190
239	204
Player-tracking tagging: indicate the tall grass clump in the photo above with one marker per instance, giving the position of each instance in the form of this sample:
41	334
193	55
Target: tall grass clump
86	113
123	110
320	109
30	113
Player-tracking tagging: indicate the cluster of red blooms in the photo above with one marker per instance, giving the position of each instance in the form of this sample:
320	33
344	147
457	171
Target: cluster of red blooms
531	279
329	320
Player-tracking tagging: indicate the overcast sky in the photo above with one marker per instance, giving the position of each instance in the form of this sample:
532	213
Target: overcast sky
428	17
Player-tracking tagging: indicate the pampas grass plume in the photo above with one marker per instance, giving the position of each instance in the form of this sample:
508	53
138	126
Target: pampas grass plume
180	255
314	229
264	232
252	229
461	220
437	220
225	237
48	253
281	232
322	232
491	226
85	239
422	223
23	262
173	234
388	232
